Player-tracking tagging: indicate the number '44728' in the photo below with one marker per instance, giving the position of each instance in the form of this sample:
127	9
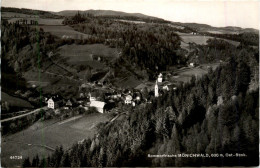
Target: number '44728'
16	157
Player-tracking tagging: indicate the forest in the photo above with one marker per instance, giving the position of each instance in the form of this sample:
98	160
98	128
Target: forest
150	46
216	114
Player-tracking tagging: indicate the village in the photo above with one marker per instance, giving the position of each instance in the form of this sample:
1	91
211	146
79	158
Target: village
104	98
108	100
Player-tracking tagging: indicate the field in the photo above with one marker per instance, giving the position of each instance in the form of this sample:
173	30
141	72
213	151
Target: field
130	21
79	53
128	82
84	54
64	32
199	39
14	101
50	133
186	75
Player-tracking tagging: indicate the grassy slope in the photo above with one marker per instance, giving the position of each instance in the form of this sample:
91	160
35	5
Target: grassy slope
78	53
48	133
14	101
62	31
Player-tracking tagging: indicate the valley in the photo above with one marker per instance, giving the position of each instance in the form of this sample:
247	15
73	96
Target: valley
111	87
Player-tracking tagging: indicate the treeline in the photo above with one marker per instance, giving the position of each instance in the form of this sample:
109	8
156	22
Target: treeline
147	19
216	114
220	50
24	46
245	38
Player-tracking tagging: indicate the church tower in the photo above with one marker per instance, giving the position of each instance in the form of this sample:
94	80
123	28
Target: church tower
156	90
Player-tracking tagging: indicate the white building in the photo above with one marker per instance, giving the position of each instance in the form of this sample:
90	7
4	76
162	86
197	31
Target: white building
156	90
98	105
92	98
192	64
51	103
128	99
160	78
166	87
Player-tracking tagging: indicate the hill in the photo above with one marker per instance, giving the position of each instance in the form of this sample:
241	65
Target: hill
40	13
218	30
103	13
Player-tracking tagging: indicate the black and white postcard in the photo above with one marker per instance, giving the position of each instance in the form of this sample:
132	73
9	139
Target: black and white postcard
129	83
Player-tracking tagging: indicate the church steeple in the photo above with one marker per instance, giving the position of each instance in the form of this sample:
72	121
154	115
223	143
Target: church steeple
156	89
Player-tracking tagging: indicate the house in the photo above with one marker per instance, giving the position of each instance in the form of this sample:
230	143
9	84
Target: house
92	97
68	105
128	99
54	102
166	87
81	95
160	78
99	105
133	104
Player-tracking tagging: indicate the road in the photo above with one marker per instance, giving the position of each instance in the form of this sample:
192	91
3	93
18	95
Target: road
19	116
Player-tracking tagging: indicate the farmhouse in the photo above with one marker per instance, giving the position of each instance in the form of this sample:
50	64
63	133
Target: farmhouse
99	105
68	105
128	99
54	102
192	64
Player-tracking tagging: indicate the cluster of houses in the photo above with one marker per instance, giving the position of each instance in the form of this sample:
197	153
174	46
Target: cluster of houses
109	99
57	102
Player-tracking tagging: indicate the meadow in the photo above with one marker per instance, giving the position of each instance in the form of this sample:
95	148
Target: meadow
84	54
64	31
51	133
78	53
199	39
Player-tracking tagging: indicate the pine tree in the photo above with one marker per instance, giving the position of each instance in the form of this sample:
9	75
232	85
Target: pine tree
35	161
27	162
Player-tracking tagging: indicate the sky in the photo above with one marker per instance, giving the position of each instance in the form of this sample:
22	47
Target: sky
219	13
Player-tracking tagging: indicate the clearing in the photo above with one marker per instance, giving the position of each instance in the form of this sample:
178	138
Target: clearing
80	53
199	39
64	31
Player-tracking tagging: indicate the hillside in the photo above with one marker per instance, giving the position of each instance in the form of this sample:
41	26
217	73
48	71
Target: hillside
39	13
218	30
102	13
